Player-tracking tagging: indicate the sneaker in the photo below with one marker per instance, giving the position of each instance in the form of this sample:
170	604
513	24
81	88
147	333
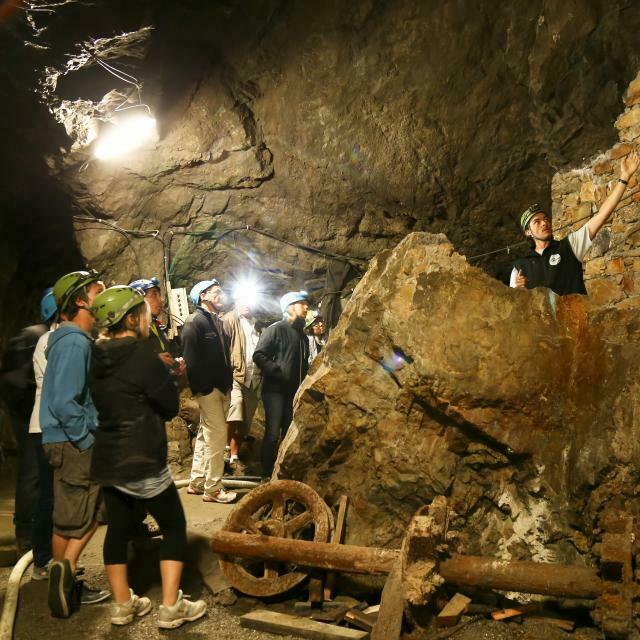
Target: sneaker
221	496
40	573
93	596
61	586
125	613
194	491
182	611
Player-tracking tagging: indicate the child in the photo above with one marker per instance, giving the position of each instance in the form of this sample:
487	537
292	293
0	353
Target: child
134	394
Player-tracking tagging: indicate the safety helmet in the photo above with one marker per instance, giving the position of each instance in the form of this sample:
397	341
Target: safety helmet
114	303
69	284
48	307
291	298
144	284
312	318
527	214
199	287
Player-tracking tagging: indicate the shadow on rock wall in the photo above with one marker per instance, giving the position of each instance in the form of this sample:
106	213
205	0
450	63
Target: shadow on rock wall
343	126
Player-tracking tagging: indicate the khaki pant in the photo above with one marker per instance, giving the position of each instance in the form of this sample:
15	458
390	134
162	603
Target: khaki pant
244	402
207	468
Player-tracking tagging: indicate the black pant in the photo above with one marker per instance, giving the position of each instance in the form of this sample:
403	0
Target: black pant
26	480
43	517
278	414
123	518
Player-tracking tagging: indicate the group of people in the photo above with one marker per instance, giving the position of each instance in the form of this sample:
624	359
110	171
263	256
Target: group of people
106	380
93	438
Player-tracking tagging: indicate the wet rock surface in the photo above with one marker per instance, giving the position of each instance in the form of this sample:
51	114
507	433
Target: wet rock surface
440	380
341	126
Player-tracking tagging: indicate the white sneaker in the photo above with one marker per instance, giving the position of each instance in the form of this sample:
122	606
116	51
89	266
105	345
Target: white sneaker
125	613
221	496
182	611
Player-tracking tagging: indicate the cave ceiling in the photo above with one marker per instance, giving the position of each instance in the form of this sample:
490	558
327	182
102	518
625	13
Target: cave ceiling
341	126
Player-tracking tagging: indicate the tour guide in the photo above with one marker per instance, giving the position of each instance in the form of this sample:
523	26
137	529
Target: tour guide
557	264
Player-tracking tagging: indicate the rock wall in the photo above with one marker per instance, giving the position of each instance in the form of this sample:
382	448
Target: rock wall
341	125
612	271
521	407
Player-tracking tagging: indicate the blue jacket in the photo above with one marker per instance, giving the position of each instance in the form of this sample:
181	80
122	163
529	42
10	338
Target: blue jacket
67	413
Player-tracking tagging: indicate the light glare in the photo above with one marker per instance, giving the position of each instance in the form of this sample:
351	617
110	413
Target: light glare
247	292
126	136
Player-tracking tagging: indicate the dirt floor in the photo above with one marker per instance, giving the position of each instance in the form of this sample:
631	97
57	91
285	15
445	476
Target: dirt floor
201	575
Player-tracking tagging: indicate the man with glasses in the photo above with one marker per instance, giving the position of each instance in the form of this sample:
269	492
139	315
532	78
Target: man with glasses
205	347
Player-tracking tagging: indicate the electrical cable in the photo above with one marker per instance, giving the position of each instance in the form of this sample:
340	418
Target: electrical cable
508	247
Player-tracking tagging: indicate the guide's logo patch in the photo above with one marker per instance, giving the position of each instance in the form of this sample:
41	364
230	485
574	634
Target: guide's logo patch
554	259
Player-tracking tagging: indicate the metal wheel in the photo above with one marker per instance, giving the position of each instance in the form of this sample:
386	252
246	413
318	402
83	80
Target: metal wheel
285	509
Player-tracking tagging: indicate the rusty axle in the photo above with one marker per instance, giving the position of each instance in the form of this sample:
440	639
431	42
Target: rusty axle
560	580
529	577
320	555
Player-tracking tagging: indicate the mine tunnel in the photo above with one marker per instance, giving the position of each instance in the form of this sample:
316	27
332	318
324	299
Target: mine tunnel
319	319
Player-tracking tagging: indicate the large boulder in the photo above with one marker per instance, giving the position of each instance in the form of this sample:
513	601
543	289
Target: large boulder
518	405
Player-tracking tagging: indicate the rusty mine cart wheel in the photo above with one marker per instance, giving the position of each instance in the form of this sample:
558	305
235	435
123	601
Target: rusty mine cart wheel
284	509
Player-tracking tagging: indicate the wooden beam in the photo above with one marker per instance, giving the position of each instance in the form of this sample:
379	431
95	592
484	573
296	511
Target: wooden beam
505	614
389	623
566	625
359	619
338	538
452	611
263	620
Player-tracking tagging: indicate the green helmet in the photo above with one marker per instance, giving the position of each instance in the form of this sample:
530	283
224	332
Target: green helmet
69	284
312	318
527	214
114	303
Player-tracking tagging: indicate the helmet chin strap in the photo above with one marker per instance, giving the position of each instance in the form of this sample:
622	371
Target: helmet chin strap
541	239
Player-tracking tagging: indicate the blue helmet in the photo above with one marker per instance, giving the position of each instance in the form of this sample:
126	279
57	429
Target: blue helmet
291	298
48	306
199	287
144	284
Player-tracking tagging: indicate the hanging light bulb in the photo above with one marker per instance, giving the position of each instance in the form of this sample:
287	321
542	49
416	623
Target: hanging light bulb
126	135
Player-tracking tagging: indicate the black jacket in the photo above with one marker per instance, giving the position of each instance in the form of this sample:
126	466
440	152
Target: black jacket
205	347
283	356
17	382
134	394
557	268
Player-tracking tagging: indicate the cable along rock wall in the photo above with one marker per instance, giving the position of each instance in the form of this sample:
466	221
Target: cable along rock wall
519	406
612	271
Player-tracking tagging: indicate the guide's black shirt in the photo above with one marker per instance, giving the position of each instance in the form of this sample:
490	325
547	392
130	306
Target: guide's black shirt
556	268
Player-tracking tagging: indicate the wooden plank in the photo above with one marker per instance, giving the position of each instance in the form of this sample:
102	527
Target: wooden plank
359	619
316	589
505	614
372	609
338	538
452	611
333	615
389	623
567	625
263	620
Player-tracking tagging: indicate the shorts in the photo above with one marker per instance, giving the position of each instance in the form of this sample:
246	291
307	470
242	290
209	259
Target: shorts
244	403
77	501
